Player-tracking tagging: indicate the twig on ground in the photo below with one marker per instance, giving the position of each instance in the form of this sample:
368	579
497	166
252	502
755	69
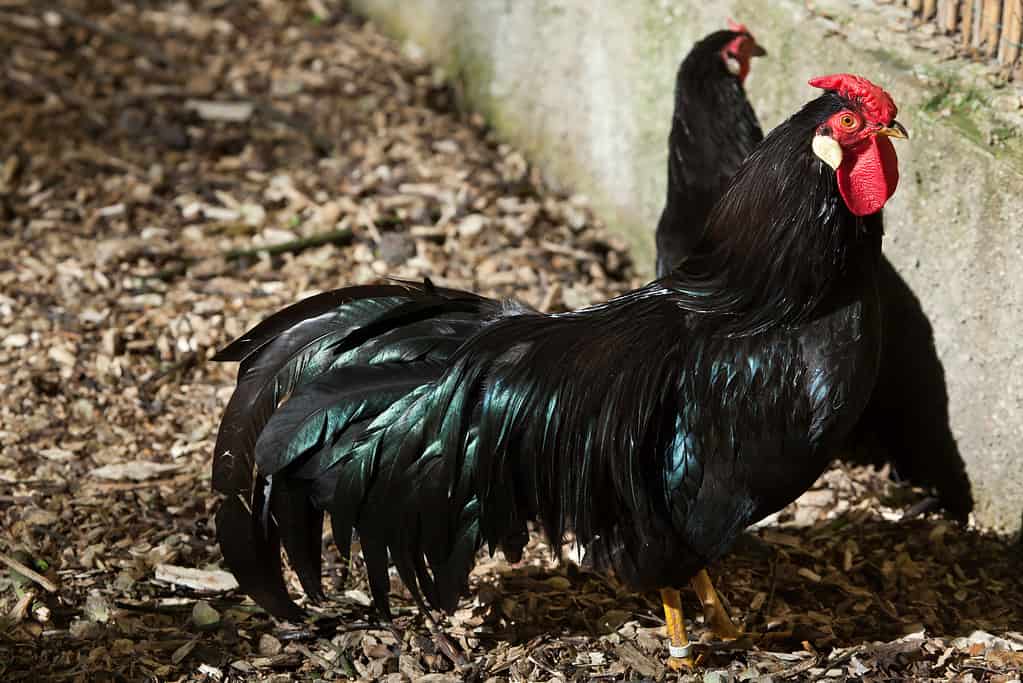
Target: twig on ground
798	669
180	268
342	236
28	572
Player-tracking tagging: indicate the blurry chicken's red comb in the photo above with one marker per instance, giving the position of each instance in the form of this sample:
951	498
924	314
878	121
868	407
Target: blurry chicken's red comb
877	104
738	28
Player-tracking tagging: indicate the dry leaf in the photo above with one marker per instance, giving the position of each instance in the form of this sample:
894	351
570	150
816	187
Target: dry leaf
137	470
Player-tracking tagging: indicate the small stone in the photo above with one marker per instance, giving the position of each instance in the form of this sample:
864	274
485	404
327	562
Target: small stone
613	619
16	341
97	608
253	214
83	629
41	612
62	355
396	247
132	121
124	582
472	225
83	410
269	646
576	219
205	616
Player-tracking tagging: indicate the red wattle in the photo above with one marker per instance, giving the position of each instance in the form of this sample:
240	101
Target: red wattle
868	175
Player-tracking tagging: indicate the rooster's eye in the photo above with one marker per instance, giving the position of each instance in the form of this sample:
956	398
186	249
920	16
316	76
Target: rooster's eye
848	121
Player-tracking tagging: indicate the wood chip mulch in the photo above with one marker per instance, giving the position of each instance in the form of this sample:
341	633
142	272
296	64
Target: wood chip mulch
170	173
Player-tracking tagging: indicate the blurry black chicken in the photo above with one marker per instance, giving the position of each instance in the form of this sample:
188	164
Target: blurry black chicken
713	130
435	422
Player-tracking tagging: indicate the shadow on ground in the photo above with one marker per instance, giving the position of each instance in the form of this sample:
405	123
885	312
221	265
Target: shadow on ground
851	579
837	586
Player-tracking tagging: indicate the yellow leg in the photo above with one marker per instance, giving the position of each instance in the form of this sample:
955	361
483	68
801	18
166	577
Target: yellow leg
717	618
679	647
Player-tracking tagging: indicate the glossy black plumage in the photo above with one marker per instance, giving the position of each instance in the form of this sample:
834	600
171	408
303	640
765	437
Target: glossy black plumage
294	349
906	421
663	422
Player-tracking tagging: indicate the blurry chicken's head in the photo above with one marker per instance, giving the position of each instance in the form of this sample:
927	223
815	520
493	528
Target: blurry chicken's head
740	50
856	142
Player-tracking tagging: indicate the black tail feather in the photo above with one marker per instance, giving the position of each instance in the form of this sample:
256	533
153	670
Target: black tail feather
254	558
301	530
312	379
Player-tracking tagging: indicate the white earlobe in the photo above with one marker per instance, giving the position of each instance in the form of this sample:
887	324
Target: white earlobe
827	150
733	65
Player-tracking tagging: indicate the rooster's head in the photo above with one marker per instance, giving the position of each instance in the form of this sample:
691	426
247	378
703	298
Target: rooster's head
740	50
856	142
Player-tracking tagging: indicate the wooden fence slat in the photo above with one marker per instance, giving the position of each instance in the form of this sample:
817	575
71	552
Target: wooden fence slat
978	23
949	15
991	27
1012	31
969	17
992	12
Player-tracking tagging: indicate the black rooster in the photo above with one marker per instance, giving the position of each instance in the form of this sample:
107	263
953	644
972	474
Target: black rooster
434	422
713	130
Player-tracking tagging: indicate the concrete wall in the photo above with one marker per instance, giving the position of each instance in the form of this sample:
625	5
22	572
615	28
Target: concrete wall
584	87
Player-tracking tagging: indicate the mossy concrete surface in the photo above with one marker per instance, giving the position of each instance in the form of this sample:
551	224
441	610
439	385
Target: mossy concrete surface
584	87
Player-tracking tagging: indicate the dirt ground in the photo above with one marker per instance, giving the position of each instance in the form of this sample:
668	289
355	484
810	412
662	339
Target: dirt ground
170	173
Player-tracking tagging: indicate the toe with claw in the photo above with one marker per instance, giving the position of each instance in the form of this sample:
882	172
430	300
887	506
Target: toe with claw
713	610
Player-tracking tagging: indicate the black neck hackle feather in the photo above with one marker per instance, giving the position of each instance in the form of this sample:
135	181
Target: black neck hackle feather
434	423
749	263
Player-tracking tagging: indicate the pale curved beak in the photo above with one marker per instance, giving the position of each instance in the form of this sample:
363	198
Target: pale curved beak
896	130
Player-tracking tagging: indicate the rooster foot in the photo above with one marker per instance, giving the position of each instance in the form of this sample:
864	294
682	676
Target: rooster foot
680	650
713	610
